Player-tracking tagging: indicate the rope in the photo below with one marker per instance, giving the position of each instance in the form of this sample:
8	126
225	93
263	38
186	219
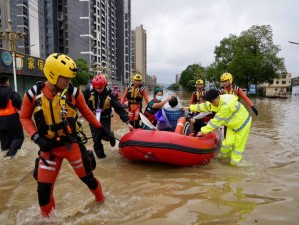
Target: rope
146	154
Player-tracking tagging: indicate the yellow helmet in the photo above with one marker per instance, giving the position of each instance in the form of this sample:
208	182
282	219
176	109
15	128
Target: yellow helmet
58	64
199	81
226	76
137	77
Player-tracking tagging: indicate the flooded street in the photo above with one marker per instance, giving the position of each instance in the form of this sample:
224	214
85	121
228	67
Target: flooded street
264	190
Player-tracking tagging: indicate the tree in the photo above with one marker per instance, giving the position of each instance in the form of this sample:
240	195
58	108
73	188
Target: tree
83	75
190	75
250	58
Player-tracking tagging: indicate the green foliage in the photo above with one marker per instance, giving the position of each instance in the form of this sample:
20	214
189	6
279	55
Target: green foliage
250	58
83	75
190	75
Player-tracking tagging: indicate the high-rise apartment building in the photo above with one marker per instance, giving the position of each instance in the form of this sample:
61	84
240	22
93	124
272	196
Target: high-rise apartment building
140	51
90	31
123	37
97	31
133	63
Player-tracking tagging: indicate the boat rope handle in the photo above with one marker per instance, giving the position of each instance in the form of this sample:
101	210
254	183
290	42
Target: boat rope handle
147	155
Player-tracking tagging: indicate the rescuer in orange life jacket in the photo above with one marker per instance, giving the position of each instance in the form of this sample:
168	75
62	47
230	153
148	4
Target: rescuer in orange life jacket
197	97
198	93
135	94
11	130
54	105
230	88
100	99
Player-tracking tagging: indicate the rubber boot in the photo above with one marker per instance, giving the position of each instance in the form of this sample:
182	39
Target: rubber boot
98	193
100	151
46	210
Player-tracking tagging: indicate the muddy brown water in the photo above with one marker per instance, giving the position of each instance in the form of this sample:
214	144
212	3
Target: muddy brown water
263	190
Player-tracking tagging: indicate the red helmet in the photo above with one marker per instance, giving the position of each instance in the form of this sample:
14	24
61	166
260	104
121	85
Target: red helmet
99	81
115	87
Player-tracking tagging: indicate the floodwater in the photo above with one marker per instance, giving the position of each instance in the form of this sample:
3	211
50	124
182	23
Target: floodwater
263	190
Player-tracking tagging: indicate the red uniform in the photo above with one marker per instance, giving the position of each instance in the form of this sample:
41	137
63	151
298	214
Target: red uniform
135	96
66	145
235	90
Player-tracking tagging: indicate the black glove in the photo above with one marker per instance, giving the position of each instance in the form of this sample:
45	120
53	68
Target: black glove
42	142
108	135
254	110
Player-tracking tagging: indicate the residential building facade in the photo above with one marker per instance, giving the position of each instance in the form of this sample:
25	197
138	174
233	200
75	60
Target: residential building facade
14	17
279	86
140	52
123	37
97	31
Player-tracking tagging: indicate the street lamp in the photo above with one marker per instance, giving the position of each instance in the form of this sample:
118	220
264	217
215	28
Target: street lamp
12	37
293	42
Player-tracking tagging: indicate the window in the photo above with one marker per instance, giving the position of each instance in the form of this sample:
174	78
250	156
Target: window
277	82
283	82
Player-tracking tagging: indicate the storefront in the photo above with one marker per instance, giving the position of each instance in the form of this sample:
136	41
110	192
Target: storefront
29	69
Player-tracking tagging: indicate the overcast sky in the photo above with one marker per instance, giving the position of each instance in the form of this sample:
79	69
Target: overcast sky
180	33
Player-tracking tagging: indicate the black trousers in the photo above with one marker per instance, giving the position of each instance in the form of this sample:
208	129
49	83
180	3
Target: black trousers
198	125
11	134
98	136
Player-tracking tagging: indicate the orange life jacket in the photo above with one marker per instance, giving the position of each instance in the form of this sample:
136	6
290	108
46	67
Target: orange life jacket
9	110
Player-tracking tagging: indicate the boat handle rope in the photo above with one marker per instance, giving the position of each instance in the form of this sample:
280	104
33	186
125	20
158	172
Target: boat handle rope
147	155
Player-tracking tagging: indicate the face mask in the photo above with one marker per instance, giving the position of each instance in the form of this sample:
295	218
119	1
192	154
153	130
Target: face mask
159	98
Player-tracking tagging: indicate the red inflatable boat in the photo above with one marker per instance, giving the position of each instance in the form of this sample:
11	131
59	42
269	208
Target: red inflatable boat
169	147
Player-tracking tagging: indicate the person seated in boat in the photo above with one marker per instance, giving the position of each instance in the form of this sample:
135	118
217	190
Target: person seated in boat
172	114
154	106
198	121
230	113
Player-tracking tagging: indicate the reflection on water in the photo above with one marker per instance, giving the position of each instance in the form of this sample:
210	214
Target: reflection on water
263	191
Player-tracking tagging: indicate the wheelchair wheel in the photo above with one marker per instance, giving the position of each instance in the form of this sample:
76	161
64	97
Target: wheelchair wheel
187	129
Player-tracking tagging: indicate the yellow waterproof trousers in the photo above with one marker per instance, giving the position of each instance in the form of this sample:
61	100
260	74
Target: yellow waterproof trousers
234	143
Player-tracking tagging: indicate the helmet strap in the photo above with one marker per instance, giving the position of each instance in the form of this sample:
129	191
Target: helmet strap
57	88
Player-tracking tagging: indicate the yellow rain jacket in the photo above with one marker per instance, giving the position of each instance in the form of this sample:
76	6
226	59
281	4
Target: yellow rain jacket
232	114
